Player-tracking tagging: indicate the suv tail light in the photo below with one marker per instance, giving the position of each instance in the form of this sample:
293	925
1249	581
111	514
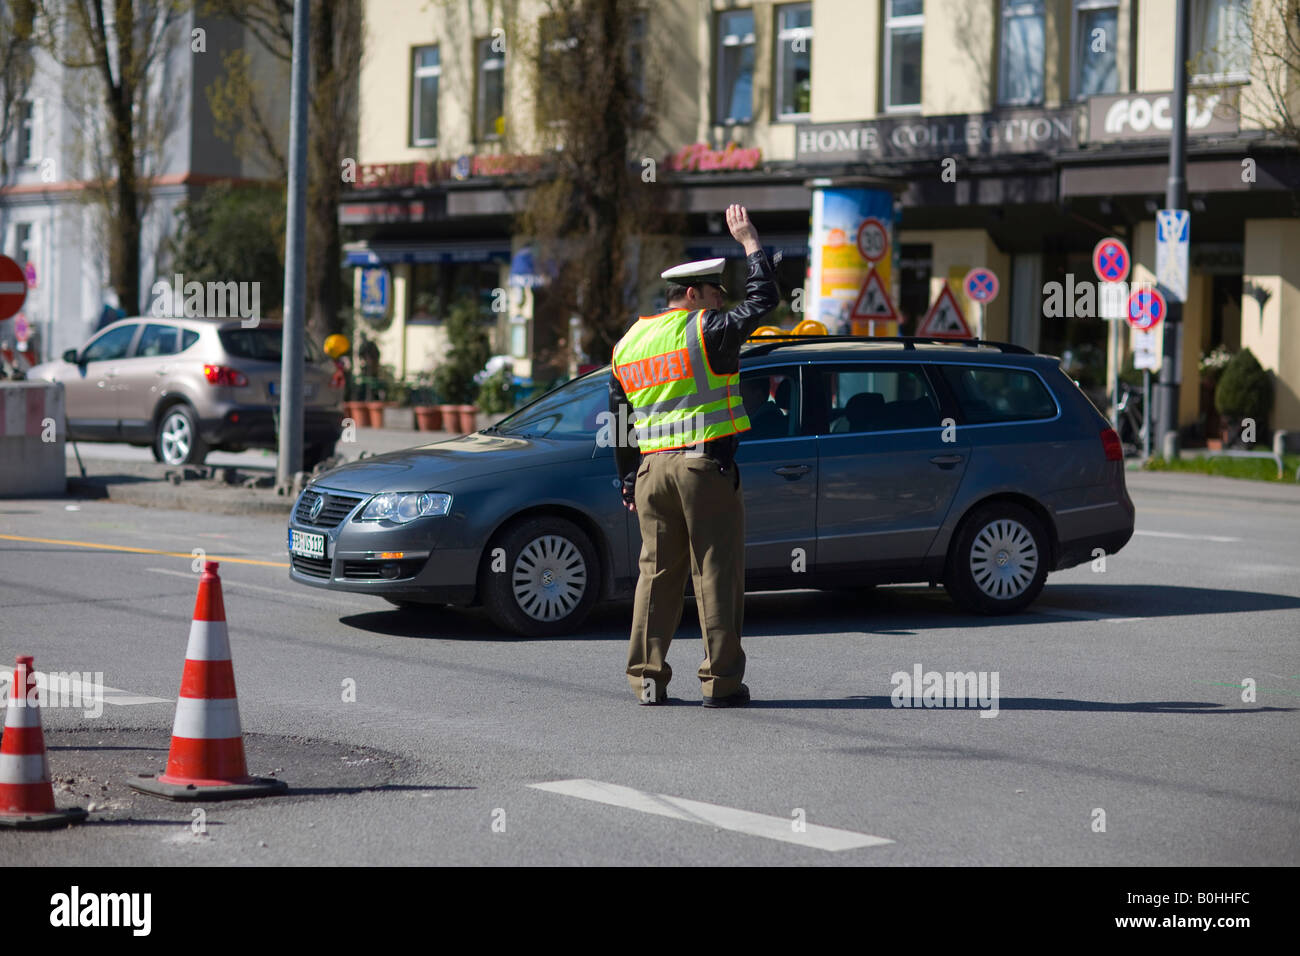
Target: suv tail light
223	375
338	380
1111	444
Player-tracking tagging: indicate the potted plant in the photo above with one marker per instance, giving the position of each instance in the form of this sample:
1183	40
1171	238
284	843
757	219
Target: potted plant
467	353
1245	390
424	402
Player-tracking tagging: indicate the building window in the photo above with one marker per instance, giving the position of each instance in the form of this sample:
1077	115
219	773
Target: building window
904	23
491	89
23	246
1220	39
1020	74
1096	68
736	66
26	132
794	38
424	96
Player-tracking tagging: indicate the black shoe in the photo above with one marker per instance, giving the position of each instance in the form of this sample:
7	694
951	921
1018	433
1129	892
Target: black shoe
739	699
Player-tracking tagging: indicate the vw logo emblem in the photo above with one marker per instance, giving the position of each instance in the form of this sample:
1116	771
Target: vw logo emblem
316	506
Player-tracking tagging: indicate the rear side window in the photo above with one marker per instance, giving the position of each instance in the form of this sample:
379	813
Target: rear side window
852	399
990	395
156	340
188	338
262	344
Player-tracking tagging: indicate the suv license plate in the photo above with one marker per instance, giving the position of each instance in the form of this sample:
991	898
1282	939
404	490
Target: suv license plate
307	545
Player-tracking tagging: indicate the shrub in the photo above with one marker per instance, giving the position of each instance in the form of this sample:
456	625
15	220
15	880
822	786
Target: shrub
497	393
468	353
1245	390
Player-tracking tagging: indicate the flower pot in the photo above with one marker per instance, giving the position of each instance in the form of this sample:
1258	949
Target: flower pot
1214	444
450	417
468	418
355	411
374	414
428	418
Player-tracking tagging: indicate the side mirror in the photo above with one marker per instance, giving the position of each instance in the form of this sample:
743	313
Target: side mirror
70	356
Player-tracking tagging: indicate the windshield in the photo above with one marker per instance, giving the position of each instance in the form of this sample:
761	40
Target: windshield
568	412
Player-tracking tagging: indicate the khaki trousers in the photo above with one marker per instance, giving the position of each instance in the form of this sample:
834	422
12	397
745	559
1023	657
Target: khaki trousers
692	517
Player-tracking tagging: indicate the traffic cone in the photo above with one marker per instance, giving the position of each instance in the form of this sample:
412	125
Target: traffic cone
206	761
26	797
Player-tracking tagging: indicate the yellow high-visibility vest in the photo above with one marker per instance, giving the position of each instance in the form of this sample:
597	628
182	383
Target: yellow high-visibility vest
676	397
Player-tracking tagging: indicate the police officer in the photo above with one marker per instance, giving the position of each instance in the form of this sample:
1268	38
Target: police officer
679	371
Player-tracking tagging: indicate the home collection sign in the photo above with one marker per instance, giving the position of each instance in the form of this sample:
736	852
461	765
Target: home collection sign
1000	133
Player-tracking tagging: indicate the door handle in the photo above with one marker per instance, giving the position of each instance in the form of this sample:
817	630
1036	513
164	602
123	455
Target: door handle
792	472
945	460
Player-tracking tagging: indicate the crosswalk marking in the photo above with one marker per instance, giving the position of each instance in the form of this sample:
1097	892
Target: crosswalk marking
710	814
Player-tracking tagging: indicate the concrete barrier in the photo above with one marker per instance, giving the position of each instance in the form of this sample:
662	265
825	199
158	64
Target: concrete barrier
32	434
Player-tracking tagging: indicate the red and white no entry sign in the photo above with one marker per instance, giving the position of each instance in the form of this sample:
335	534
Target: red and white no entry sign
873	239
13	287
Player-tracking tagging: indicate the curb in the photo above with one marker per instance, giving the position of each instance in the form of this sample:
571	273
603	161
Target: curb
206	497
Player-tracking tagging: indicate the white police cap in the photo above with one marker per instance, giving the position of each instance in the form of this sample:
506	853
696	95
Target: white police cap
701	272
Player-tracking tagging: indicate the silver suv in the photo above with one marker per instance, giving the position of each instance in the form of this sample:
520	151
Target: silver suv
190	386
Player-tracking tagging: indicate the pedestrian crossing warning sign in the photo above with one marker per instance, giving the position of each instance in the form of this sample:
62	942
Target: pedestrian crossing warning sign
873	301
944	320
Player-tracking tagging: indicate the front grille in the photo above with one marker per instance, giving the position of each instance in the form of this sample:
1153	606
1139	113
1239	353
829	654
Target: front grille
315	567
335	509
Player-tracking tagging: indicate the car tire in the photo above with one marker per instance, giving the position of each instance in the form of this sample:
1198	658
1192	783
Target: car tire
177	441
550	582
997	563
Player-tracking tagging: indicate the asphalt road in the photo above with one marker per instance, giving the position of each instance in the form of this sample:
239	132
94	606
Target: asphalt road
1120	691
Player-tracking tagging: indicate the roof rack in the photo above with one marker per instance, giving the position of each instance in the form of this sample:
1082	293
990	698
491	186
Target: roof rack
767	343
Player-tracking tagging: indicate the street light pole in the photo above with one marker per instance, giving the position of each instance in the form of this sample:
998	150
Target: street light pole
1175	198
289	460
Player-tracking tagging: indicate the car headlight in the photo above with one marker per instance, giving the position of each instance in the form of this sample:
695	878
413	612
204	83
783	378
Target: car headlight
401	508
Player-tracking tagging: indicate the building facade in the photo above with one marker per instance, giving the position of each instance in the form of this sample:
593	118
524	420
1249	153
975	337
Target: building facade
47	223
1019	133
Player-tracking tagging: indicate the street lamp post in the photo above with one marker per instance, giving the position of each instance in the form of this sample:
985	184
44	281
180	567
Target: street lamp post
289	459
1175	198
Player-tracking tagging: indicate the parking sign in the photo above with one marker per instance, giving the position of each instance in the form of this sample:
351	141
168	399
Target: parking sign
1173	235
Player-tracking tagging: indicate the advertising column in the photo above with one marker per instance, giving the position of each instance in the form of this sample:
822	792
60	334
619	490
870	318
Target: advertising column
852	256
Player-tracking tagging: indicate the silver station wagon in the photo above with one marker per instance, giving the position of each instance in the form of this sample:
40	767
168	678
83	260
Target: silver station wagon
978	465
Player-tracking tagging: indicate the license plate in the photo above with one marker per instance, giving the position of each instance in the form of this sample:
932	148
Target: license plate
307	545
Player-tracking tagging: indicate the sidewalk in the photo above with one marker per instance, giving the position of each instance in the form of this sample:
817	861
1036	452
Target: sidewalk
228	484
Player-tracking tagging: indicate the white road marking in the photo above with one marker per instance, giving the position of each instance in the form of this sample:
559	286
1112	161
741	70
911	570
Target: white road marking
278	592
1185	537
71	688
710	814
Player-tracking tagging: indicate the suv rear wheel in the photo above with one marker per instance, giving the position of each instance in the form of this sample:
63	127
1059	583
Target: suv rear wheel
177	441
998	562
550	579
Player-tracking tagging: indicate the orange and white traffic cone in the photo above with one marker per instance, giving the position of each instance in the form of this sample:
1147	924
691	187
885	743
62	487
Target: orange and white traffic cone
206	761
26	797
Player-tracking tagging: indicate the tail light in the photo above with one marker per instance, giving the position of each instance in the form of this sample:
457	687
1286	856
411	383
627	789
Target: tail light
223	375
1111	444
338	380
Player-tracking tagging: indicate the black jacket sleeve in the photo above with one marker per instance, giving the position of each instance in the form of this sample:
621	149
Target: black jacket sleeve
726	332
627	457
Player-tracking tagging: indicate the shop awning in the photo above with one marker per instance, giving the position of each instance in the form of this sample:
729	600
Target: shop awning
382	253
